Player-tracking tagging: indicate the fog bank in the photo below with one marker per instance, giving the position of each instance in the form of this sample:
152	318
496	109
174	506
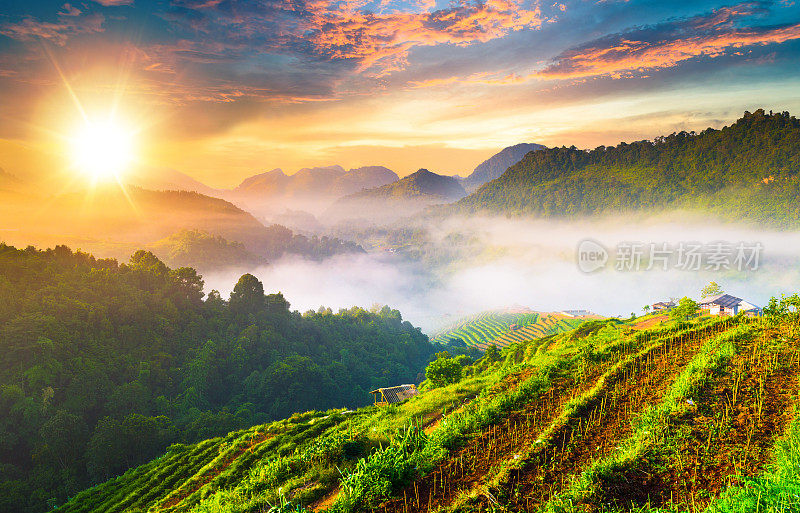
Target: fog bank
530	263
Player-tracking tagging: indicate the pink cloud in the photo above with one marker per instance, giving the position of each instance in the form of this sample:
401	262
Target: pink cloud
59	33
112	3
382	42
630	56
69	10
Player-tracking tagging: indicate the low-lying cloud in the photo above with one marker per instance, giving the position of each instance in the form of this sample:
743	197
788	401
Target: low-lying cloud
529	263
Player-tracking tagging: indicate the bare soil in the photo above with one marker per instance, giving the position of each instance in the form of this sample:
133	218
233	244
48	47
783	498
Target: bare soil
730	434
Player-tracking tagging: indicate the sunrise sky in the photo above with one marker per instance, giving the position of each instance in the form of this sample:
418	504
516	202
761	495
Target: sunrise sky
223	89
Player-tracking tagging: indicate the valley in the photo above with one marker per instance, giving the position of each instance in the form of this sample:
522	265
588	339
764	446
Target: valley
314	256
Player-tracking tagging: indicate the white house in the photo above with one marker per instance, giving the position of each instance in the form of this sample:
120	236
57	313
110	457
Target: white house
725	304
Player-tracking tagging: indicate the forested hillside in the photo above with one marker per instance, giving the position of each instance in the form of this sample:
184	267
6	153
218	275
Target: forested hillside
114	222
106	364
692	416
497	164
747	171
406	196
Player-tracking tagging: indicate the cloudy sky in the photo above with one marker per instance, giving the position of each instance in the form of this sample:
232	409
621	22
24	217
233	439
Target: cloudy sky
222	89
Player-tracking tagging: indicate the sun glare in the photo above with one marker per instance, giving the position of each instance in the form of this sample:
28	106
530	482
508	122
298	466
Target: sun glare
102	150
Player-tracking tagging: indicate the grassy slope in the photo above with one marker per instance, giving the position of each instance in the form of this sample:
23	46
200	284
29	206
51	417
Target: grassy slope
610	418
494	327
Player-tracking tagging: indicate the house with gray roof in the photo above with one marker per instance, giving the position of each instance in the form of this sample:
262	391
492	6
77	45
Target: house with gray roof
726	304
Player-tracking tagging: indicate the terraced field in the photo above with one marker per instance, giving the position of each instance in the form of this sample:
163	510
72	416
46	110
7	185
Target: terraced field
546	324
494	327
692	416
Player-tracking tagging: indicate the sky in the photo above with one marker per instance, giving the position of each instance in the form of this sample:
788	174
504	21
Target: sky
223	89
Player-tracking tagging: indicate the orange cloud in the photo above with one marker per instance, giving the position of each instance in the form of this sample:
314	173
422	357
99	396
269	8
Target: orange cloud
382	41
486	78
627	57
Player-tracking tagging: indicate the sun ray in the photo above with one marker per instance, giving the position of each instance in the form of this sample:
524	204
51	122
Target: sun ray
64	80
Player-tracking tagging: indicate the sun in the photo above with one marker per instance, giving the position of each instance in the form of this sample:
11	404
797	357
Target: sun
102	150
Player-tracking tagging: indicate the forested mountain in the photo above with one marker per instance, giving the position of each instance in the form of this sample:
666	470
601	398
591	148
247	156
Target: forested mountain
497	164
106	364
403	197
116	222
201	250
747	171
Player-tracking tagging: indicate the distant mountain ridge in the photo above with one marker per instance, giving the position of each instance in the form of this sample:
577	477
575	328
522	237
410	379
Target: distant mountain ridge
166	179
403	197
114	222
311	181
748	171
497	164
421	183
310	189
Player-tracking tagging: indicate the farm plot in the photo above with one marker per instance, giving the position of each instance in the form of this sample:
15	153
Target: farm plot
595	423
487	328
718	439
467	471
545	325
481	454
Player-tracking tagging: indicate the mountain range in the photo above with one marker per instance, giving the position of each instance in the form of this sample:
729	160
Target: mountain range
274	196
310	189
747	171
406	196
271	193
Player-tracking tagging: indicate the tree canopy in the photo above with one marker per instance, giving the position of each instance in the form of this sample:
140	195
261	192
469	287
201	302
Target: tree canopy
749	170
106	364
686	309
712	289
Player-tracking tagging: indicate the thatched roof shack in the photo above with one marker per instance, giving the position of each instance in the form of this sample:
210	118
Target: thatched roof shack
391	395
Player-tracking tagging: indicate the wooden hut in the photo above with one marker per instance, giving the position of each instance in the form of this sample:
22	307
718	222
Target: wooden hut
391	395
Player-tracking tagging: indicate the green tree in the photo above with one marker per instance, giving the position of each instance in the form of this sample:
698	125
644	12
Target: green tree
104	365
686	309
492	353
712	289
188	284
248	295
776	307
64	436
118	444
444	370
